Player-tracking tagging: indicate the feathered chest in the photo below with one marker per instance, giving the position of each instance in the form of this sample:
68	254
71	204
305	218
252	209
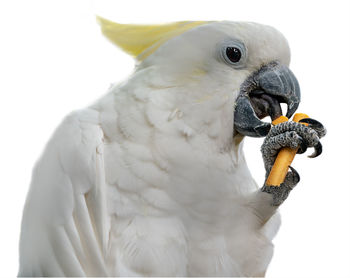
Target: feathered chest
157	157
173	188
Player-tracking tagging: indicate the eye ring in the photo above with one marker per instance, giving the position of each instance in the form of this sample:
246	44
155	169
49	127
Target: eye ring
234	53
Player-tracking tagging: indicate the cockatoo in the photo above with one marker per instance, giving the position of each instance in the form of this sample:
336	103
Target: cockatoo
151	179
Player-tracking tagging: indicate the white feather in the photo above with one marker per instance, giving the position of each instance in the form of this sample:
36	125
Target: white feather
65	219
149	181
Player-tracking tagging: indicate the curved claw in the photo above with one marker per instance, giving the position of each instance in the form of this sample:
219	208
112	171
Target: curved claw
316	125
312	122
318	150
295	175
302	147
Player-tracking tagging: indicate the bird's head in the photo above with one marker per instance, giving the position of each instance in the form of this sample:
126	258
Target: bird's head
245	62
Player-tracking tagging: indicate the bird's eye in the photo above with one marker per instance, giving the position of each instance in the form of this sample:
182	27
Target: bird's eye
233	54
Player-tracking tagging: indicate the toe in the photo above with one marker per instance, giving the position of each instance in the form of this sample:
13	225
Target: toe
302	147
292	178
316	125
318	150
295	177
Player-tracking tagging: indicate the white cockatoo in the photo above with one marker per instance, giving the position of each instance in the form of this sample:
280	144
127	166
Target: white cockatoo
151	180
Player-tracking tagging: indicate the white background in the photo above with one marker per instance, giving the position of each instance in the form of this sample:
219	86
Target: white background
53	60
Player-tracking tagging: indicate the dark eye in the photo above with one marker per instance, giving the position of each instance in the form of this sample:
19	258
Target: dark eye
233	54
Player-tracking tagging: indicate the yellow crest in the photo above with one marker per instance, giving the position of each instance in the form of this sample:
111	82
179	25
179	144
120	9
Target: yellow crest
142	40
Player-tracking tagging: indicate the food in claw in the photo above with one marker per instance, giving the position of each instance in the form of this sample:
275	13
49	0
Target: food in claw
285	156
151	180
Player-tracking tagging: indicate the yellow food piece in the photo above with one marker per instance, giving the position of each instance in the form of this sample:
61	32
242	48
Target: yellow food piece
279	120
285	156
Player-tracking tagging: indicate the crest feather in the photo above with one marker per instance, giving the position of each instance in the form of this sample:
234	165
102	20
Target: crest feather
142	40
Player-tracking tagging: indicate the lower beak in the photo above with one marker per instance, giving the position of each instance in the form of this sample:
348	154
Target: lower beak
260	96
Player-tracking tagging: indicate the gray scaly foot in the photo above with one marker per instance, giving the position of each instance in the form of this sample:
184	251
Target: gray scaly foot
296	136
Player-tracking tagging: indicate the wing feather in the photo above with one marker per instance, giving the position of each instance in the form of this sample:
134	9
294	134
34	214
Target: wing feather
65	225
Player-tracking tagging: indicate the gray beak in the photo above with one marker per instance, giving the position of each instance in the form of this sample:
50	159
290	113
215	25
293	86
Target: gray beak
260	96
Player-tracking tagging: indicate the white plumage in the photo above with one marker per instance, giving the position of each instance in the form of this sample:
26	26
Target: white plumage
150	180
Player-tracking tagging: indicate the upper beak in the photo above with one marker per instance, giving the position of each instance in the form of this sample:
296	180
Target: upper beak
261	94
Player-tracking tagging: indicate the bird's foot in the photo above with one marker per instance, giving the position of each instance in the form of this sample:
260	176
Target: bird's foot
296	136
280	193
